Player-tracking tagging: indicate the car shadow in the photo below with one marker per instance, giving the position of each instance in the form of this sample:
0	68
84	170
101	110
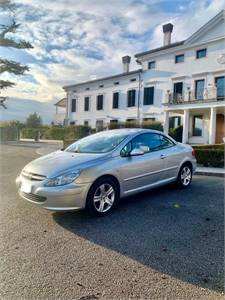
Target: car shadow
175	232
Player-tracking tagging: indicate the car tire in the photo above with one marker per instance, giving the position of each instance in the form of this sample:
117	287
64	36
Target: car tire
185	176
102	197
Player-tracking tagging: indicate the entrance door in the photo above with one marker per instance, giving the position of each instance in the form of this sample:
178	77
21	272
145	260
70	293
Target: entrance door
220	128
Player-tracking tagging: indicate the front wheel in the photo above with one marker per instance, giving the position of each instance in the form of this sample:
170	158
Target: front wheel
185	176
102	197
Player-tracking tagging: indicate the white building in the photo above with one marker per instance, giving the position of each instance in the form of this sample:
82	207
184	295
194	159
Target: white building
182	82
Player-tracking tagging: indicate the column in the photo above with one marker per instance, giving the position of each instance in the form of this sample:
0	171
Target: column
166	122
212	126
185	126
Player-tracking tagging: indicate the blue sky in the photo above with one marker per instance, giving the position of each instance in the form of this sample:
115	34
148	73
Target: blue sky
78	40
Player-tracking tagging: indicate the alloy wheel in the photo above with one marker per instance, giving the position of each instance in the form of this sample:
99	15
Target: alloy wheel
186	176
104	197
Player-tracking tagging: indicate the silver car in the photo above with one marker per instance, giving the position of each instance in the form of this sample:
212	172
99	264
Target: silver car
96	171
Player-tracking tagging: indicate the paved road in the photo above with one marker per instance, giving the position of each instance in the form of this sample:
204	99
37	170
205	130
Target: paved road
163	244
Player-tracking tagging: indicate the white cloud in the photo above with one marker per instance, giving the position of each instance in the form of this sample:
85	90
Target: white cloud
188	20
79	40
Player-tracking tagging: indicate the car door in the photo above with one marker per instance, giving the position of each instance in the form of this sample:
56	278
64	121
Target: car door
172	157
139	172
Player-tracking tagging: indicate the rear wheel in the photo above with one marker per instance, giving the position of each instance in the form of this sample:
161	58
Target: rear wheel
185	176
102	197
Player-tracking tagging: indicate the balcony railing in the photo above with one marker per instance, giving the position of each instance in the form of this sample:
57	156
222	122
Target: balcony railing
199	95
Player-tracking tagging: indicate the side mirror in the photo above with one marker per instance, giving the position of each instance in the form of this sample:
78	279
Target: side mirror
137	152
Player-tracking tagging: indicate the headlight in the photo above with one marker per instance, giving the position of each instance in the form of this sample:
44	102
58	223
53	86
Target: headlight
62	179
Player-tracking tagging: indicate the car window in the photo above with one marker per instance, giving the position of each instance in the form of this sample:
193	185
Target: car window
126	149
165	142
148	142
101	142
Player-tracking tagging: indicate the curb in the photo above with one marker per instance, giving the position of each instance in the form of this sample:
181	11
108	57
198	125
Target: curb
216	174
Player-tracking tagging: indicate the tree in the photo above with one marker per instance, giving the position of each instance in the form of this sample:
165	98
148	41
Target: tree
6	40
34	121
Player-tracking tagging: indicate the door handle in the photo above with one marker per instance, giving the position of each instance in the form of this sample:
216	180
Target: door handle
162	156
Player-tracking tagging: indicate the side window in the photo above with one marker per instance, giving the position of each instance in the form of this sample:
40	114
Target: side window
165	142
126	150
147	141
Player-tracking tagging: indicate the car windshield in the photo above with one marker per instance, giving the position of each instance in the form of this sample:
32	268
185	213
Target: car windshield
98	143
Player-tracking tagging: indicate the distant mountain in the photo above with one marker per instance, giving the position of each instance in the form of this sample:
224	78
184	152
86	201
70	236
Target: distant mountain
19	109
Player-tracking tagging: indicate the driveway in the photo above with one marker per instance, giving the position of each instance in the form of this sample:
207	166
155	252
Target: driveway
161	244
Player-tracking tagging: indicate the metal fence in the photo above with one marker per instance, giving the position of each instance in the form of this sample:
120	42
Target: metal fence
9	134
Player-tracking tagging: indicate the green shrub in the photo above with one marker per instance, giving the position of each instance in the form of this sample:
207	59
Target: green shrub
115	125
30	133
155	125
130	124
53	133
209	157
176	133
66	143
215	146
74	133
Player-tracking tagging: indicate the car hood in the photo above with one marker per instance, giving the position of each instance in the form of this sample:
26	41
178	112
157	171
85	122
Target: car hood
58	162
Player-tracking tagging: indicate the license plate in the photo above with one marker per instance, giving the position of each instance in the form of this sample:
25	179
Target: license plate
26	188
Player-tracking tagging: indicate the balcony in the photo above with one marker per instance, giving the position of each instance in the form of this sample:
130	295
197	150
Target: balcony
210	94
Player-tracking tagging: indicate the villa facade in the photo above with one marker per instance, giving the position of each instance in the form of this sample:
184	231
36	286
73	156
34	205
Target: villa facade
178	83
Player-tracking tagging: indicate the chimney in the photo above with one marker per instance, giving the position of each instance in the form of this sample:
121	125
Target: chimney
167	30
126	63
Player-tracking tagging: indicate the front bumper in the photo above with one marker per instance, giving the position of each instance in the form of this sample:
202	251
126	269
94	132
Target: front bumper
60	198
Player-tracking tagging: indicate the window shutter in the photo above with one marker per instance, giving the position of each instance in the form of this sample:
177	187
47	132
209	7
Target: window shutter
131	98
86	103
115	100
148	95
73	106
99	102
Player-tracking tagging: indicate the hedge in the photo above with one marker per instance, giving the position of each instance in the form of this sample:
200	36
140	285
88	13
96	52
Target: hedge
147	124
215	146
56	133
53	133
155	125
74	133
210	155
30	133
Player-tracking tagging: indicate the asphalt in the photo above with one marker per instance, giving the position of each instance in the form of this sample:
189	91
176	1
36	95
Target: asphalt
161	244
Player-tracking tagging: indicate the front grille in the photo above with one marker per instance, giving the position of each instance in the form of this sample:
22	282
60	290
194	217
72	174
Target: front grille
33	176
33	197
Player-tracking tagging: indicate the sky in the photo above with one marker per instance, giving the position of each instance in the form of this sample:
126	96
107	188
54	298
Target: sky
79	40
